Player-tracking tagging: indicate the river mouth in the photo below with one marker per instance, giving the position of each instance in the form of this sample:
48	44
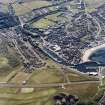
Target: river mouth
94	54
92	59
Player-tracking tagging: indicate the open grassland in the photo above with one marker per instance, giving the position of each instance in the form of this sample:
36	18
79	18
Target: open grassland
75	77
8	91
51	73
47	21
56	75
12	74
20	77
5	68
9	62
8	67
28	6
45	96
38	97
46	76
6	73
27	90
84	91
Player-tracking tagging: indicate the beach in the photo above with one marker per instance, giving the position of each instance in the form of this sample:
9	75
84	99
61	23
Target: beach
89	52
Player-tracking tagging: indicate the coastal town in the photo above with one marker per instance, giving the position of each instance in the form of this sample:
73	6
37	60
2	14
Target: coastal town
53	40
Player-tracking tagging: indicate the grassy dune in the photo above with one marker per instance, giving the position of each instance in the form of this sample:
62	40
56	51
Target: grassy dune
3	61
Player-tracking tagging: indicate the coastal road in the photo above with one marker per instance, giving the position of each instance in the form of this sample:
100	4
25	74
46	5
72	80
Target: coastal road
14	85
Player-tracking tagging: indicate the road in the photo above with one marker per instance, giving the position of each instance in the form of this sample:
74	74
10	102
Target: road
14	85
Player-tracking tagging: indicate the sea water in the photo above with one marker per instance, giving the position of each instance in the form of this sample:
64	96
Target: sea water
98	56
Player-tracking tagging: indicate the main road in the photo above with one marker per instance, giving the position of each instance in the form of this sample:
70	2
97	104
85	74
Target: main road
14	85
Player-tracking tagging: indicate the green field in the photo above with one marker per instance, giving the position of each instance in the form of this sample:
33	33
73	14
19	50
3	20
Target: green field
54	75
8	66
51	73
46	21
75	77
45	96
28	6
46	76
3	61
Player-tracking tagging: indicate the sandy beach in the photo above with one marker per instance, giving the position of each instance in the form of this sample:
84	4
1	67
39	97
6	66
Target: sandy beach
89	52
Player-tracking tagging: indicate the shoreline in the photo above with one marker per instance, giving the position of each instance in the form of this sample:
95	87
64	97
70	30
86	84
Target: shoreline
89	52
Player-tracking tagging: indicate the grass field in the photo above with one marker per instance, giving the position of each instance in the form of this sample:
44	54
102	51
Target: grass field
8	91
3	61
51	73
75	77
83	91
20	76
9	61
54	75
27	90
45	96
28	6
47	21
46	76
8	67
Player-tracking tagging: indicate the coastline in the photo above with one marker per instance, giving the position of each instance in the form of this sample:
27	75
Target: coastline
88	52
